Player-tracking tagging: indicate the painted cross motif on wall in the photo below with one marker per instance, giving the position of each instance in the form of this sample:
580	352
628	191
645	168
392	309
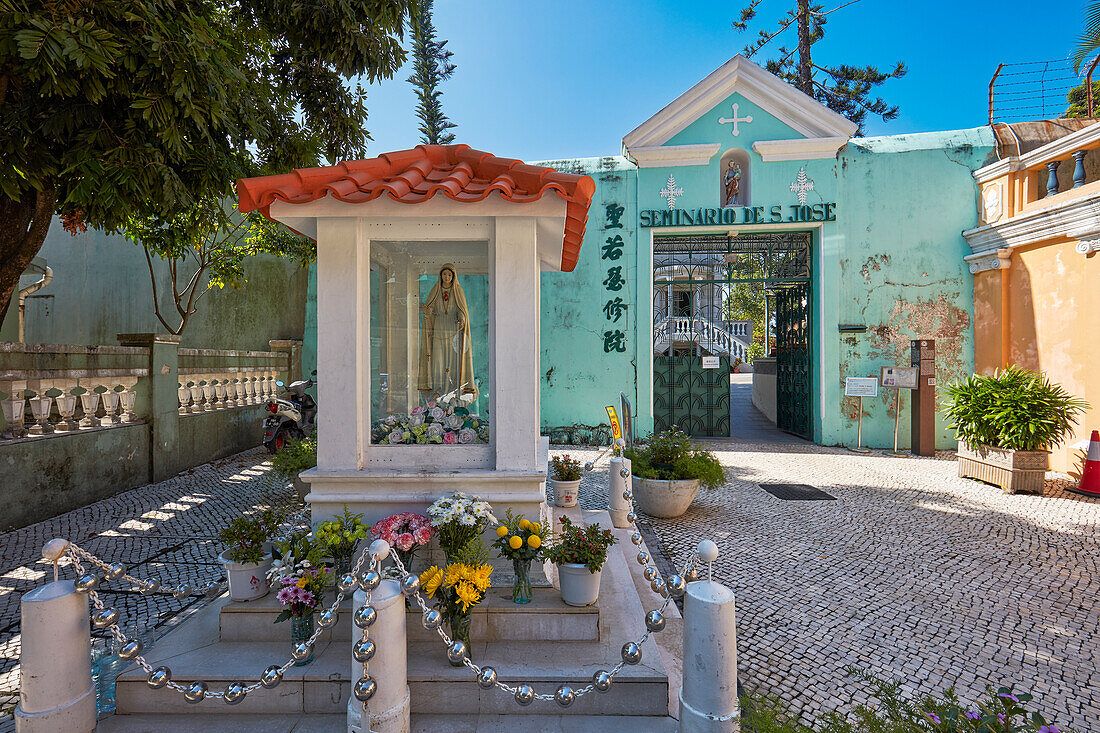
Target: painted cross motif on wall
802	185
735	120
671	191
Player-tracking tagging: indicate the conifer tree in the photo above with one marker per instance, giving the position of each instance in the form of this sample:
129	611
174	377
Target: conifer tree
431	65
843	88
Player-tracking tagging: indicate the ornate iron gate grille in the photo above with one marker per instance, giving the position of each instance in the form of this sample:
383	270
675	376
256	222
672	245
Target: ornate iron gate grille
693	277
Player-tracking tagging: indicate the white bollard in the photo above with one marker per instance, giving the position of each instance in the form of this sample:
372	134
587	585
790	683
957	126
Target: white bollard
390	706
708	697
618	506
56	692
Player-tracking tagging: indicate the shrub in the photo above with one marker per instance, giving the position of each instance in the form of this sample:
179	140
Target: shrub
586	546
564	468
295	457
1013	409
244	538
671	455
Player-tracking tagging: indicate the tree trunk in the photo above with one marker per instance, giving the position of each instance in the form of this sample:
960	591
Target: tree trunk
23	226
805	80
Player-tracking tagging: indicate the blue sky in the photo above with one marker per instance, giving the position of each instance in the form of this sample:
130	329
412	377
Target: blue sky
540	80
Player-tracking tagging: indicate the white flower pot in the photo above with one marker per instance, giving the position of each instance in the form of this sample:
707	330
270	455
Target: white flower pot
565	492
664	499
578	586
247	581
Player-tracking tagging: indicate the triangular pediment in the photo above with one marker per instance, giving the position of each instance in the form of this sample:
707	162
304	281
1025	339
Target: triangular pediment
802	113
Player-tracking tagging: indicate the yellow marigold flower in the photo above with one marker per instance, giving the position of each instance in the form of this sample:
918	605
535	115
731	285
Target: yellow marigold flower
480	577
515	542
502	530
534	541
536	528
468	595
524	524
430	580
453	574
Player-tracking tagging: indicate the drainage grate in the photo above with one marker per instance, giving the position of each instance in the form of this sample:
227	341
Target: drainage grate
796	492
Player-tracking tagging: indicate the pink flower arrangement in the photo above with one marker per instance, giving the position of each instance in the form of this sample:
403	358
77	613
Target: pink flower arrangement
450	437
405	532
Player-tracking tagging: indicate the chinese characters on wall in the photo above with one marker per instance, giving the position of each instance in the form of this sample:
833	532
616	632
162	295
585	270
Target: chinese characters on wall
611	252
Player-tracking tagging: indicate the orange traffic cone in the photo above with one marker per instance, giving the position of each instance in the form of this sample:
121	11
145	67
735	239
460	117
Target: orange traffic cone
1090	477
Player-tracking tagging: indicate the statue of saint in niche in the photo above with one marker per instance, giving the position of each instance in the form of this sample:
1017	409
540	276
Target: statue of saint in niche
732	183
446	361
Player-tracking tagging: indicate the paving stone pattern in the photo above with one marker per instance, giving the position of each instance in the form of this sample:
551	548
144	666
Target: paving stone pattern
912	574
165	531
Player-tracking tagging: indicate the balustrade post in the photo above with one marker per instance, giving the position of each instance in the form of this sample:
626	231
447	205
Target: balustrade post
231	391
196	397
388	709
14	408
219	393
40	409
89	404
110	407
128	398
1079	168
1052	178
184	395
66	406
208	393
708	697
56	691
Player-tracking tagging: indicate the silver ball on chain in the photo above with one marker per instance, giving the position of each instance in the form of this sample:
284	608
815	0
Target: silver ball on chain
658	586
234	693
369	580
212	588
632	653
363	650
486	678
410	584
676	585
525	695
628	494
104	617
86	582
650	573
602	681
271	677
692	574
636	538
589	466
115	571
301	651
347	582
130	649
456	652
565	696
365	616
431	620
327	619
364	688
150	588
631	517
655	620
181	592
643	558
195	692
159	677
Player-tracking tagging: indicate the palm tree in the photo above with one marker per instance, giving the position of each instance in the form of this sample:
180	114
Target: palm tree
1089	41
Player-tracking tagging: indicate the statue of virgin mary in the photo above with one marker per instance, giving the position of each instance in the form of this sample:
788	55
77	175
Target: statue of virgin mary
446	361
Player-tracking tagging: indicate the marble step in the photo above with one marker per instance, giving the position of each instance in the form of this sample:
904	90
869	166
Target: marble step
420	724
496	618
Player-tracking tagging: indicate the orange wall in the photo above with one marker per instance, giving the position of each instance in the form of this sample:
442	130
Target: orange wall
1054	314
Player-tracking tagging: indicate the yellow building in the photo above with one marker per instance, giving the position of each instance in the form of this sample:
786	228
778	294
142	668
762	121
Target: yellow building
1036	261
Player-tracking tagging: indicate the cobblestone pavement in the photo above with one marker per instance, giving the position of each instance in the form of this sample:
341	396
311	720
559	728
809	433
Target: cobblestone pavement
166	531
911	573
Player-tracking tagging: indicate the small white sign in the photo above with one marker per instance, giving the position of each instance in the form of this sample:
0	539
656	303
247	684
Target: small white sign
861	387
710	362
899	377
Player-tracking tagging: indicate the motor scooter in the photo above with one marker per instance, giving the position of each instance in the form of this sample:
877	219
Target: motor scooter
293	416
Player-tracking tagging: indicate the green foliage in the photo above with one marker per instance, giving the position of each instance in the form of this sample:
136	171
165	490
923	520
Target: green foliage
340	535
671	455
1014	409
431	65
564	468
295	457
473	552
1079	101
244	538
586	546
300	548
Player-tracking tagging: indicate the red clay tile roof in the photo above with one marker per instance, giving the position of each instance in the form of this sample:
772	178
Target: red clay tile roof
412	176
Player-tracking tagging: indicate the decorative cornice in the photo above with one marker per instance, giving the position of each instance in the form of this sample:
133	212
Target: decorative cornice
1073	219
795	109
1087	246
799	149
988	262
673	155
1054	150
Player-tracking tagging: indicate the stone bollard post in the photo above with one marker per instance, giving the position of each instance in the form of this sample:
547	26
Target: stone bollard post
56	692
619	481
389	707
708	697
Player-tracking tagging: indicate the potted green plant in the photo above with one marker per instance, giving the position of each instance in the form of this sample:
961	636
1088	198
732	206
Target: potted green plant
1006	425
247	557
565	480
579	554
340	536
668	470
295	457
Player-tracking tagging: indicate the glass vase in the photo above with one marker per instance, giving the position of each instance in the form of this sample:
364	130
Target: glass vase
521	586
301	629
341	565
459	624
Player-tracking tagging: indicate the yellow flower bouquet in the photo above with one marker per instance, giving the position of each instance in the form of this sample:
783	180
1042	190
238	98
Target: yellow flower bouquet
520	540
456	589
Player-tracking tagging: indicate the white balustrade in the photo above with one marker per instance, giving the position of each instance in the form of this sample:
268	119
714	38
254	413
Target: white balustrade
208	393
219	393
89	403
14	408
714	338
40	409
110	407
66	406
184	397
196	397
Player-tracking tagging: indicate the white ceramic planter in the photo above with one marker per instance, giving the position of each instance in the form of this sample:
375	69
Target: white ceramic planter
565	492
664	499
578	586
248	580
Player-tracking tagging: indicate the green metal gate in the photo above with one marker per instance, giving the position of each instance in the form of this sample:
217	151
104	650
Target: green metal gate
695	345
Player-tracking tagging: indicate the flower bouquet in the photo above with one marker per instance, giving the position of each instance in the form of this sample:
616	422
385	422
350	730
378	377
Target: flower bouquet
302	580
437	422
459	519
461	585
339	537
520	540
406	533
